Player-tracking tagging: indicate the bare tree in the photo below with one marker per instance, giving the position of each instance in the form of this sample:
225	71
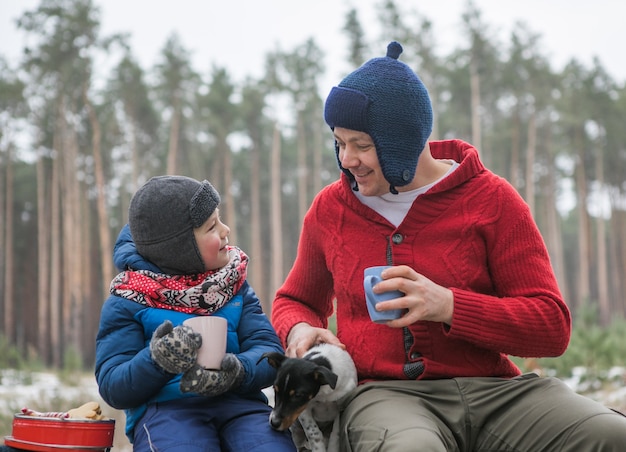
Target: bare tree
277	275
103	216
252	104
8	239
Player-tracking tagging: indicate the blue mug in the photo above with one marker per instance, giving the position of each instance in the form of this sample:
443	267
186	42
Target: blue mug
371	277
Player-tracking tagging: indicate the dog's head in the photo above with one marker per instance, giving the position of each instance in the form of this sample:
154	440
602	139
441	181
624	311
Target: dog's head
298	380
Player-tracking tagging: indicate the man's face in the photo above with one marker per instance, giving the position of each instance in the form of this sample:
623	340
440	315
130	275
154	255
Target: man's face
357	154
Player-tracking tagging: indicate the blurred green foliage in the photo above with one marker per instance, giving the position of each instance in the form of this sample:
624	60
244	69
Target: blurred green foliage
593	349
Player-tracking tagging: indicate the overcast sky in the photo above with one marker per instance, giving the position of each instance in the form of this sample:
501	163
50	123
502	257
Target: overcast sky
237	34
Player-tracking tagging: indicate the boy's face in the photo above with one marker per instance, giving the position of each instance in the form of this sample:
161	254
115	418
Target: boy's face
357	154
212	239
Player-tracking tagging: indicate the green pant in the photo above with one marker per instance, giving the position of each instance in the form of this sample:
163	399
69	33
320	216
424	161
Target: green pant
523	414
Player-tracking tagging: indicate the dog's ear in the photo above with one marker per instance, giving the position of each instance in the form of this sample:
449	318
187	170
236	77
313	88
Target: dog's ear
325	376
274	358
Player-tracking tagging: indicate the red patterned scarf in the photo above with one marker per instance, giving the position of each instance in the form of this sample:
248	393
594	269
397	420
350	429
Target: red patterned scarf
201	294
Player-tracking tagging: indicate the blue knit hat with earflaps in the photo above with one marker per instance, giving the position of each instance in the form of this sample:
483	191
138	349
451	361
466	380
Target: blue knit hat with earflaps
385	99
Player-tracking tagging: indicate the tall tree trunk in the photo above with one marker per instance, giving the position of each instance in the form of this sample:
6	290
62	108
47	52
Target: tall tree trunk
67	236
56	342
258	279
172	153
603	279
135	173
88	307
433	92
515	146
584	247
618	221
303	173
43	261
475	103
530	162
3	247
217	172
10	319
318	152
134	152
227	193
276	213
554	240
72	284
106	263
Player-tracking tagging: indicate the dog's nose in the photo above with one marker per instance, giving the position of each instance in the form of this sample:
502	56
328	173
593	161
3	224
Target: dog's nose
275	422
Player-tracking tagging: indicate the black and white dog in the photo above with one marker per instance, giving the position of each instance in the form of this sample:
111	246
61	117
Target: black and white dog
309	389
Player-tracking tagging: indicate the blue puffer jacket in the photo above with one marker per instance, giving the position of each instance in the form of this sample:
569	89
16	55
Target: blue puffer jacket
127	377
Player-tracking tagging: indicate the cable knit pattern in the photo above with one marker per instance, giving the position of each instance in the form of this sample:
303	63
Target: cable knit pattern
471	232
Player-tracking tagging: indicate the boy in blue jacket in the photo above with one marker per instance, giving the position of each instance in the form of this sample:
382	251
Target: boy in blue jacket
177	263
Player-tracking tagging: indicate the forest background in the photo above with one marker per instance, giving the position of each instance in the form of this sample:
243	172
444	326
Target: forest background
557	135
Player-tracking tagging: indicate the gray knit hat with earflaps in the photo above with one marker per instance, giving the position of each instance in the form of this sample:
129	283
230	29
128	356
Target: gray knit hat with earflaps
162	216
385	99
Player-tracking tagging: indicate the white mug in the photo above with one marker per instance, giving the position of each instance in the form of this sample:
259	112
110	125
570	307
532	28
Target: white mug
213	330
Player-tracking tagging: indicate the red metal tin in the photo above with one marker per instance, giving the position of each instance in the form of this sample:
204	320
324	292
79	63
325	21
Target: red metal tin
48	434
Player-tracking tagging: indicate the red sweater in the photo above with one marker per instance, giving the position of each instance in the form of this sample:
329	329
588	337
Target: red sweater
472	233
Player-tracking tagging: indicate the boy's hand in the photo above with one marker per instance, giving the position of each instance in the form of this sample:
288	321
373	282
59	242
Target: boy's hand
175	350
211	383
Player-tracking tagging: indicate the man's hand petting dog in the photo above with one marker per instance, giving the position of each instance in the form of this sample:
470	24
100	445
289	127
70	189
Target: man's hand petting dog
309	390
303	337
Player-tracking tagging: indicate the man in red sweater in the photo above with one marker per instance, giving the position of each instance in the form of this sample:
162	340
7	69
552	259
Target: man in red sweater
477	282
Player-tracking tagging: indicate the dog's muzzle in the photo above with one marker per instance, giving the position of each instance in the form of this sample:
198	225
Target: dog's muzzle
282	423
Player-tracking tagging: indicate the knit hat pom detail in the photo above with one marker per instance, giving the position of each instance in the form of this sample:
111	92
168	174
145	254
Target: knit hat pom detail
394	49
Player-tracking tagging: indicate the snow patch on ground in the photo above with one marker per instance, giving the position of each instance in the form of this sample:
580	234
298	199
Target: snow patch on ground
37	390
45	391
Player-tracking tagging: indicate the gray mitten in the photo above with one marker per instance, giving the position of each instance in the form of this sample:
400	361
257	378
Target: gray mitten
175	350
212	383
